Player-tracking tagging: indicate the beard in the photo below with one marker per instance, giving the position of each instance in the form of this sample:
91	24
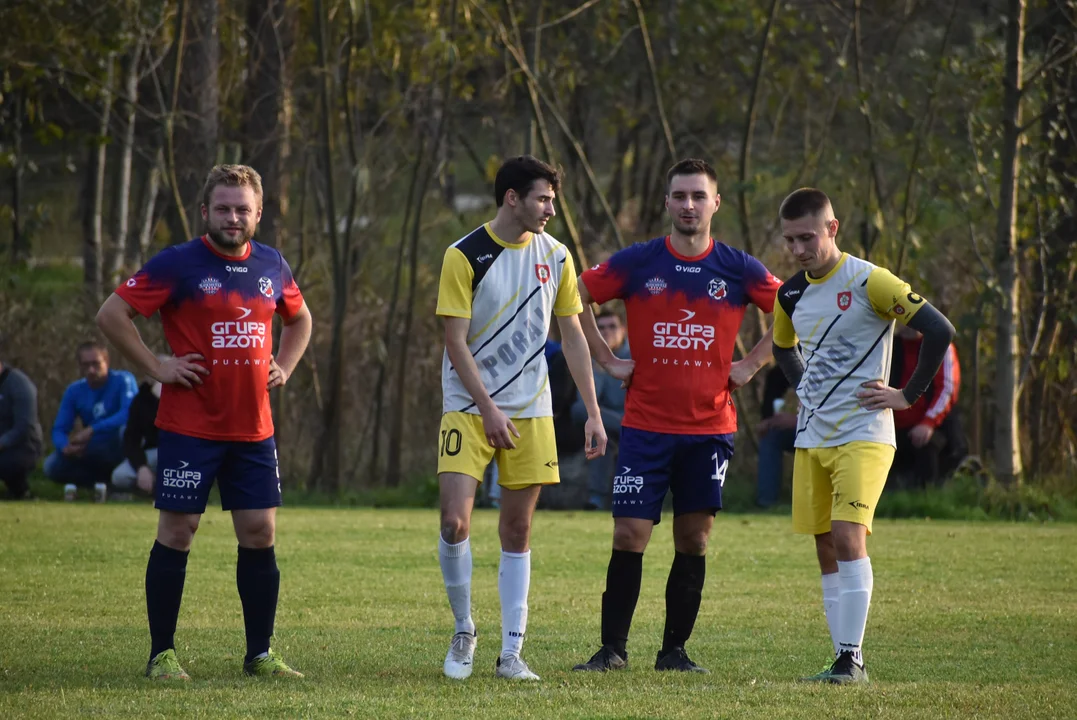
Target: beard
689	230
224	240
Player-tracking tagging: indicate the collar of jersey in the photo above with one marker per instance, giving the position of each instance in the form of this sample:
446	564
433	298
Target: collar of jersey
502	243
685	258
234	258
819	281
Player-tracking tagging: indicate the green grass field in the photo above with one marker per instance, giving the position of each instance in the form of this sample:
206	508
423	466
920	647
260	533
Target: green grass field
969	620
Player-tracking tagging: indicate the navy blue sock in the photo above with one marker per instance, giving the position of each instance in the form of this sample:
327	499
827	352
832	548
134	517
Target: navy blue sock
165	573
258	580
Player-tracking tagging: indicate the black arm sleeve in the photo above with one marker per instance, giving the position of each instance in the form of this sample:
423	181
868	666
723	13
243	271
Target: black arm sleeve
938	334
792	363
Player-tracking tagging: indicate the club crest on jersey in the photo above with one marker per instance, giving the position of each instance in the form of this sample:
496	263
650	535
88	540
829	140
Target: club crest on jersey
210	285
656	285
845	299
265	286
542	272
717	289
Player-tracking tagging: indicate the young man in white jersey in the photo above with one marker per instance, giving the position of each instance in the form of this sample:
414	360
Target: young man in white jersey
499	286
841	311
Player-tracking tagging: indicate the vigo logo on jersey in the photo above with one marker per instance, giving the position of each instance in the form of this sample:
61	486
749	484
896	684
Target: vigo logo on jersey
826	364
510	351
683	335
181	477
239	333
627	484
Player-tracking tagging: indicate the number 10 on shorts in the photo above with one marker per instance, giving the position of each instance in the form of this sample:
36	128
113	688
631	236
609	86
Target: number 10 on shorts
719	470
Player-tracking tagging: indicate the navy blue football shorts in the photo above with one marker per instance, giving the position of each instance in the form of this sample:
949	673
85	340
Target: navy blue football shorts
650	464
187	466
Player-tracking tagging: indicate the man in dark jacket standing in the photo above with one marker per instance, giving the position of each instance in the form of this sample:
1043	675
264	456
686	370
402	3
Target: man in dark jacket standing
20	432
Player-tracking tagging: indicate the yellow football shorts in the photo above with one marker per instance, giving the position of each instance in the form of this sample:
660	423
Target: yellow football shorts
463	448
838	483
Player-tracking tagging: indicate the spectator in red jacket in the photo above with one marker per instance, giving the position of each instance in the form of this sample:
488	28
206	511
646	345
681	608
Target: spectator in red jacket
930	442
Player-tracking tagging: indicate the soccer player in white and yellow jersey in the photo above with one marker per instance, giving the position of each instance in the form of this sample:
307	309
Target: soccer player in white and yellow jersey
499	286
833	335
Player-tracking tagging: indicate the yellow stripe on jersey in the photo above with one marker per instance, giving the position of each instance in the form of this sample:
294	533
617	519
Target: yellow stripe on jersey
837	425
454	289
784	334
854	278
498	314
891	297
531	402
568	300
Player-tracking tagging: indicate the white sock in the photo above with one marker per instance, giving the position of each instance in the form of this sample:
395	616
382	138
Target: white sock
513	582
456	571
856	582
831	593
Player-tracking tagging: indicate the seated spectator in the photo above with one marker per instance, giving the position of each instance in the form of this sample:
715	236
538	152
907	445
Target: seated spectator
100	400
139	469
611	400
21	440
930	441
777	431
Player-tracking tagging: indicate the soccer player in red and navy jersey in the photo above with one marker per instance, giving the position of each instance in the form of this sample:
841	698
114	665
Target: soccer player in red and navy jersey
217	295
685	296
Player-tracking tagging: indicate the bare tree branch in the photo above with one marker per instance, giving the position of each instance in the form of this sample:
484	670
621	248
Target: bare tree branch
654	77
566	17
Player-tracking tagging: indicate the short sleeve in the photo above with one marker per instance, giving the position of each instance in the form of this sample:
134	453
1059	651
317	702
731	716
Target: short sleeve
609	280
785	336
151	287
454	290
568	300
291	299
891	297
760	284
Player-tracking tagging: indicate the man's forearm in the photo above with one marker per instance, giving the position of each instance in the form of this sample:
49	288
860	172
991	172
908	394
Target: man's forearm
762	353
597	344
294	338
574	347
117	326
791	362
467	369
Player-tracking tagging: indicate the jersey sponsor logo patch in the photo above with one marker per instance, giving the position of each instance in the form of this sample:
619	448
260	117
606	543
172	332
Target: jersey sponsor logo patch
181	477
483	258
265	286
845	300
542	272
239	333
792	293
688	268
656	285
210	285
857	505
717	289
683	335
132	282
235	268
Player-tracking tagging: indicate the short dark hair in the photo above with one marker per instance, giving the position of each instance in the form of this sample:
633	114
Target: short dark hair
691	166
607	313
90	345
520	173
803	202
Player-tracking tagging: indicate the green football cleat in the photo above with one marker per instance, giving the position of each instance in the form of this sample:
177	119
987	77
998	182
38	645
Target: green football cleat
165	666
270	665
847	671
823	676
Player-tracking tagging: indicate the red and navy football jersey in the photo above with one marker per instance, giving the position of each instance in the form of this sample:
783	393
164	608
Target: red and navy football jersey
220	307
684	314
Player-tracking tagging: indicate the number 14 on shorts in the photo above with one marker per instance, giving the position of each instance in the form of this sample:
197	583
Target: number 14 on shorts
719	470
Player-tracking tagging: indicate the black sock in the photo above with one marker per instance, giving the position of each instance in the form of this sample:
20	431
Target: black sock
619	601
258	580
684	590
165	574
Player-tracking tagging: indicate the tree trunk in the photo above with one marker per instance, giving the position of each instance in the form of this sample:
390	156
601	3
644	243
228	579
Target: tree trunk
271	33
1007	436
94	210
151	209
325	469
197	109
20	243
122	196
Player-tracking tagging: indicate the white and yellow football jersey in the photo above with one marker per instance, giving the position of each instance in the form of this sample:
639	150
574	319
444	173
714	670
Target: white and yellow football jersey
844	323
508	291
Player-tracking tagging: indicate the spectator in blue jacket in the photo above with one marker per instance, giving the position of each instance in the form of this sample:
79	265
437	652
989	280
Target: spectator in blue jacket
100	400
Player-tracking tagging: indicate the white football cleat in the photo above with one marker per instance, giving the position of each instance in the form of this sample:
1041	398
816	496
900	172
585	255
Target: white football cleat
513	667
461	657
